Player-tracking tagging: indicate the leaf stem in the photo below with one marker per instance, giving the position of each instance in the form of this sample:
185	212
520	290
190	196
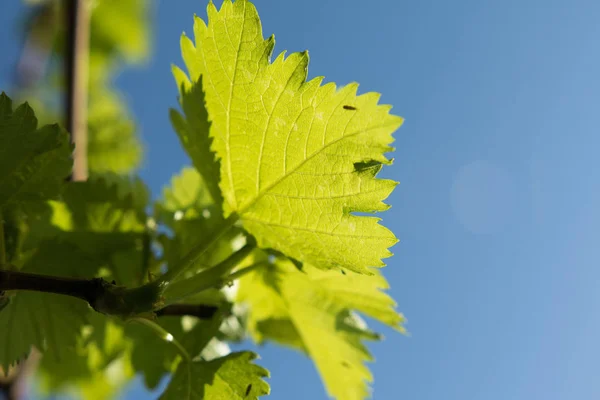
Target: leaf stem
209	278
164	335
196	252
241	272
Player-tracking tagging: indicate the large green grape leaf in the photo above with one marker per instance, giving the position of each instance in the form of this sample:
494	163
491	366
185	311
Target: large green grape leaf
314	311
230	377
297	158
33	162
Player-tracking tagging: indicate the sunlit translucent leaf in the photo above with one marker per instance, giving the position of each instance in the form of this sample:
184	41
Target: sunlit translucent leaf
313	311
34	163
297	158
231	377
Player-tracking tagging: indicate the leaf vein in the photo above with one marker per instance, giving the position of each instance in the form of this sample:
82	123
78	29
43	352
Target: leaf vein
326	197
315	231
282	178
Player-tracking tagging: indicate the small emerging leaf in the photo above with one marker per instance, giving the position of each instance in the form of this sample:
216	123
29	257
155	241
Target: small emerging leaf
189	210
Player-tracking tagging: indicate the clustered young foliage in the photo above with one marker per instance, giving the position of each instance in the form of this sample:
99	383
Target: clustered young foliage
262	230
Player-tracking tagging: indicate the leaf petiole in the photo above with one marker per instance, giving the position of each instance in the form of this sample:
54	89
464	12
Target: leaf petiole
164	335
188	260
241	272
209	278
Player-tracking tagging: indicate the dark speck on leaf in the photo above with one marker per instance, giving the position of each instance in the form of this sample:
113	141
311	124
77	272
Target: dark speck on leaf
345	364
346	107
248	389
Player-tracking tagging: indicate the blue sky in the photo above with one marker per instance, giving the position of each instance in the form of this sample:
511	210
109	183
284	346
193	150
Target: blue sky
498	207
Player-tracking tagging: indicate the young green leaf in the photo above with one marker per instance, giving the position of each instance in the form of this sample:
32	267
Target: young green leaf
295	163
231	377
189	210
313	311
187	197
34	163
193	134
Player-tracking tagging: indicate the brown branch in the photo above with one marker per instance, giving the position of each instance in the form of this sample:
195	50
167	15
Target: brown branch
76	76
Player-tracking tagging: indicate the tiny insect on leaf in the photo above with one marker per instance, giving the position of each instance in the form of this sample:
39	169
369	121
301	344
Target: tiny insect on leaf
347	107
